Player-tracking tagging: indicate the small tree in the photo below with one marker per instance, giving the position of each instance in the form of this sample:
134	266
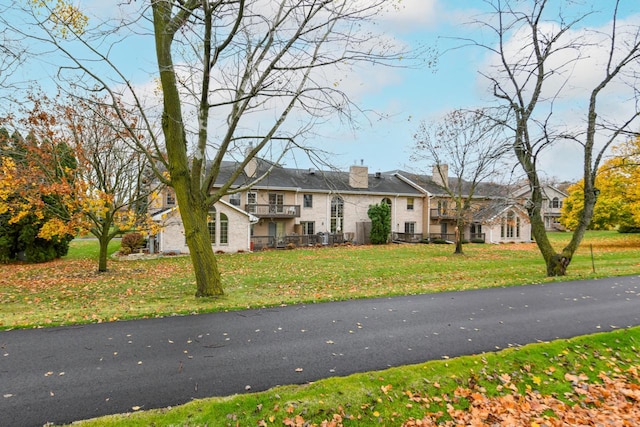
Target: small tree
113	168
472	146
380	215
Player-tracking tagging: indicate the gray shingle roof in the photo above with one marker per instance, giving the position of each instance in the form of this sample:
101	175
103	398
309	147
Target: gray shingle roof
483	189
317	180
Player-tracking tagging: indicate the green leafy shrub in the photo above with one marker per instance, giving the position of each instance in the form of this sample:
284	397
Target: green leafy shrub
380	215
628	229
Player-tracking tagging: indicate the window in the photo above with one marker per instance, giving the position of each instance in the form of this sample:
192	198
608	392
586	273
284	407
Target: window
410	227
442	207
510	227
252	201
224	229
555	203
337	214
308	227
307	201
170	199
387	201
409	203
211	225
276	202
235	199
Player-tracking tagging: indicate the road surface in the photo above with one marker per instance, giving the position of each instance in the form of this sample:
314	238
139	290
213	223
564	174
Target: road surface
70	373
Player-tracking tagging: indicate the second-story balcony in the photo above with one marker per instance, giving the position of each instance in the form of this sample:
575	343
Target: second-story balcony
273	211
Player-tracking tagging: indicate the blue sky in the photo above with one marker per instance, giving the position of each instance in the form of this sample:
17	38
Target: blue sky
426	94
404	95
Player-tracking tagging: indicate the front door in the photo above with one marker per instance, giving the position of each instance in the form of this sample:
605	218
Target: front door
443	230
276	233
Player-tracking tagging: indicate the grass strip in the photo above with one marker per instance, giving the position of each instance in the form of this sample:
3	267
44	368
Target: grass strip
435	391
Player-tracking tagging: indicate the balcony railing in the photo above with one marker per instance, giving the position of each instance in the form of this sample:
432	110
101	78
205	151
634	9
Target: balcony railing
273	211
296	240
443	213
406	237
451	237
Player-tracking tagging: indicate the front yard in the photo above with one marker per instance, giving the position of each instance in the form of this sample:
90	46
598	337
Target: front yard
72	291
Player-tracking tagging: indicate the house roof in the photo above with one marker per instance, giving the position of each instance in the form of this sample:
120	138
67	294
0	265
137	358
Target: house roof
482	190
548	191
495	209
313	180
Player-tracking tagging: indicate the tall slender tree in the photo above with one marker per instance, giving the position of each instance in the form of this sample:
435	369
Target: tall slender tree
537	49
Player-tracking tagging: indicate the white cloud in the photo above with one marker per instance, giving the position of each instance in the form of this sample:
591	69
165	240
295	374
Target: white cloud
409	15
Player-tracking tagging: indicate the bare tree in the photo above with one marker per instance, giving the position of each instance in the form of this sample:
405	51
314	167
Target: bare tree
238	78
12	55
113	173
538	52
470	146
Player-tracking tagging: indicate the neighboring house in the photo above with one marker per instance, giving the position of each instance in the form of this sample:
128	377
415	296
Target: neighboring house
552	201
304	207
492	217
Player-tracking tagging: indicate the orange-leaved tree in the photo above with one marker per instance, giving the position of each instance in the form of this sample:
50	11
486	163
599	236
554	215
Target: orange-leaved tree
104	193
36	197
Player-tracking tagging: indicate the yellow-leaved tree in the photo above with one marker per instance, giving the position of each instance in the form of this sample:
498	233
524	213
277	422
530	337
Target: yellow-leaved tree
76	172
618	186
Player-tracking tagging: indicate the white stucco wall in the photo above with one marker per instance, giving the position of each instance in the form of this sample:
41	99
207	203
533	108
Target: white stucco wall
171	238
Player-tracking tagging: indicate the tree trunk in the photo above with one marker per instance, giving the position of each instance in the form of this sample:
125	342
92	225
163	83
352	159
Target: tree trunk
556	263
185	181
459	236
205	265
102	257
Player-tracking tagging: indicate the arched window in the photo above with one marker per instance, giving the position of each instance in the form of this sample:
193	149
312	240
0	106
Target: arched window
211	224
224	229
555	203
337	214
510	227
387	201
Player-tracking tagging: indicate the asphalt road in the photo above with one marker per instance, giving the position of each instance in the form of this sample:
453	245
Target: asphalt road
70	373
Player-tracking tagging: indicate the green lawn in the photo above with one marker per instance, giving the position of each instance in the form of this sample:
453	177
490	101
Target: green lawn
578	382
71	291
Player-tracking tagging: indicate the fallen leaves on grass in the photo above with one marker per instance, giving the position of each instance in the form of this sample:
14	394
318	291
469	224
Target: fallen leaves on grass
613	401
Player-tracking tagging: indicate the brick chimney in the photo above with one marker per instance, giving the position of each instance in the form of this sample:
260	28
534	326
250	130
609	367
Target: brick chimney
440	175
359	177
251	167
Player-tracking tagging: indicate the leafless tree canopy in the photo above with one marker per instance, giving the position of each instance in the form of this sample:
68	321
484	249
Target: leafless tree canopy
473	148
233	79
562	81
